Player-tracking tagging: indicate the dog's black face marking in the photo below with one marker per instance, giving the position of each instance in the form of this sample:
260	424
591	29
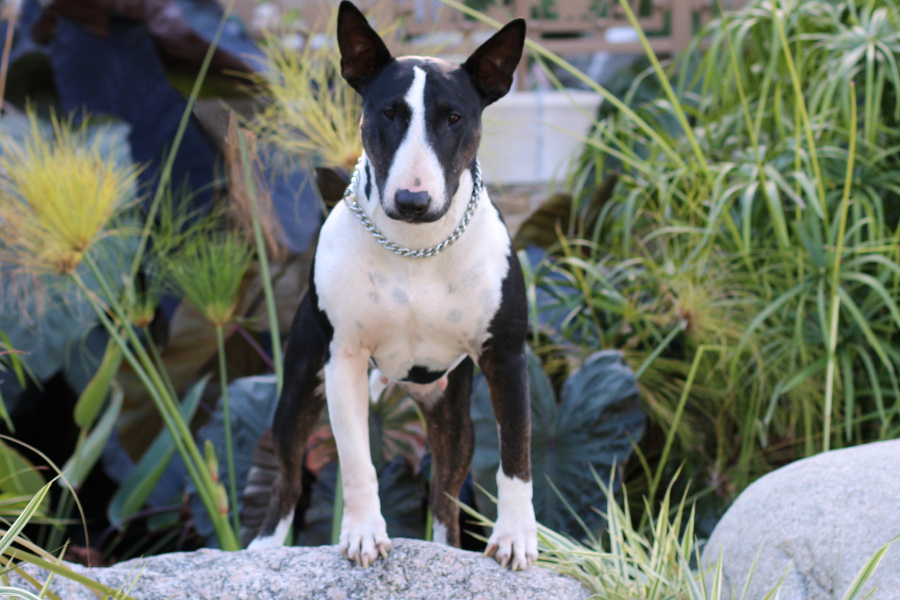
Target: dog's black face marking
421	122
424	130
422	375
368	182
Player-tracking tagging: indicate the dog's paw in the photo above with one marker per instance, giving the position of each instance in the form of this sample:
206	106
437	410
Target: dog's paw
514	540
363	539
264	543
277	538
515	546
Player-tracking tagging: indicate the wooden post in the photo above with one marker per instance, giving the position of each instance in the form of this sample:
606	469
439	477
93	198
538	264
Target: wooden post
682	26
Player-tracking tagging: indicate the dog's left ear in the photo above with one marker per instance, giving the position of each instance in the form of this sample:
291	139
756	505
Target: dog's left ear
492	66
363	53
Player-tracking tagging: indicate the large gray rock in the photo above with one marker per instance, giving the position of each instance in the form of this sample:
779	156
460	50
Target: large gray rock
823	517
414	570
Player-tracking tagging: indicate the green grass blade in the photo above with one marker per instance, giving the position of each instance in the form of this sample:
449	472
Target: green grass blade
165	174
645	127
14	591
667	87
864	574
22	520
264	271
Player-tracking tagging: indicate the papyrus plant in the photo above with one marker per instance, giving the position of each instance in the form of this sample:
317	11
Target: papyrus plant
58	195
312	114
207	272
58	198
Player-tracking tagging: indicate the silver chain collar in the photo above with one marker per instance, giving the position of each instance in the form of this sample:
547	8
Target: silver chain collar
350	198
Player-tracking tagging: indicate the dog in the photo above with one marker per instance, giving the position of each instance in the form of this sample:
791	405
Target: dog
415	275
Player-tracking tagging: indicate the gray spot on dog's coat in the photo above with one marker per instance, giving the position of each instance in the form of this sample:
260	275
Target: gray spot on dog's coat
378	279
472	277
400	296
455	315
373	297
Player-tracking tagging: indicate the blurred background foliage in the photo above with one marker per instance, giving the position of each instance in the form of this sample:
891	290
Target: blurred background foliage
735	234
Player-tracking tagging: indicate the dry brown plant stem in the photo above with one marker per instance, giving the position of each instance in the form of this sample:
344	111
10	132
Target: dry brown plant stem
4	65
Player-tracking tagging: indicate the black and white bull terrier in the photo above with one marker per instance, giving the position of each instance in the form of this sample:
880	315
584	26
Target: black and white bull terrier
414	274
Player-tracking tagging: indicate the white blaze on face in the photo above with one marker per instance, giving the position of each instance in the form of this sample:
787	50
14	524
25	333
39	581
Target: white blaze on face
416	167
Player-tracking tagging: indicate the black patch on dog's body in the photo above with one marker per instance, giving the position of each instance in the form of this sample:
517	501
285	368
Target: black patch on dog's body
503	364
422	375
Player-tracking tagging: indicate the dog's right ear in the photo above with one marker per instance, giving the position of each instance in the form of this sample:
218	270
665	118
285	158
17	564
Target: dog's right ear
493	64
363	53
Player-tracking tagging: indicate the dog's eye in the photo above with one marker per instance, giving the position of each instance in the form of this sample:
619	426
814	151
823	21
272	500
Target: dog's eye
389	113
453	118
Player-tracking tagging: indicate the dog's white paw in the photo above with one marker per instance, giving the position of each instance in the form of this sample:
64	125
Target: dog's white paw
277	539
514	539
363	538
264	543
514	545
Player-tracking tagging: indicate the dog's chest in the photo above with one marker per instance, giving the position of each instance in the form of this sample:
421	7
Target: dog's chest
414	317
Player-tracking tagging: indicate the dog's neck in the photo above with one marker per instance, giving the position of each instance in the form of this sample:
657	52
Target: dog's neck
413	235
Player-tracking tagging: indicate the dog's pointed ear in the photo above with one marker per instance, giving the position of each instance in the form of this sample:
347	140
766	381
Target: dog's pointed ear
363	53
493	64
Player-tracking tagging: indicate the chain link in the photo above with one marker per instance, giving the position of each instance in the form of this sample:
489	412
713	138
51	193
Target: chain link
350	198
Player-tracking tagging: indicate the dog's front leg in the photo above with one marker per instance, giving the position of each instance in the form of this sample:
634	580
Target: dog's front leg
514	539
363	530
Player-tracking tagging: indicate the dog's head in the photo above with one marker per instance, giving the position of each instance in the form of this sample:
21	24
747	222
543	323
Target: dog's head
421	121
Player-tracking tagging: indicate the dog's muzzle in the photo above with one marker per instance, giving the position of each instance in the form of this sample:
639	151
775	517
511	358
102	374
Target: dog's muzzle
412	206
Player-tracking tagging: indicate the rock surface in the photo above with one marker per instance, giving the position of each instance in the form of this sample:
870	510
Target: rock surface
414	570
823	518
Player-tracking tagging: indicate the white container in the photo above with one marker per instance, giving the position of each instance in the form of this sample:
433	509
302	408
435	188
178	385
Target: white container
532	137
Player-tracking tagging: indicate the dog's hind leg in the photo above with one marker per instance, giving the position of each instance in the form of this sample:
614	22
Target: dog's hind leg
452	442
298	411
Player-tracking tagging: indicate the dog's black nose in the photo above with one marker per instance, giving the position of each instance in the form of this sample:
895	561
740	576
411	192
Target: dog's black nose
412	204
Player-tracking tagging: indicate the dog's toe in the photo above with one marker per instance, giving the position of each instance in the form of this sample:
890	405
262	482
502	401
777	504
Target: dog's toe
515	547
516	552
363	543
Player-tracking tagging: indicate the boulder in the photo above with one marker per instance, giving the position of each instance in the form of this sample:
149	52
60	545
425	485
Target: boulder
414	570
815	522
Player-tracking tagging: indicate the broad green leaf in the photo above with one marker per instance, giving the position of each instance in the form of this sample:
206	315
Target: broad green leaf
252	401
593	426
94	394
17	475
90	445
133	492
